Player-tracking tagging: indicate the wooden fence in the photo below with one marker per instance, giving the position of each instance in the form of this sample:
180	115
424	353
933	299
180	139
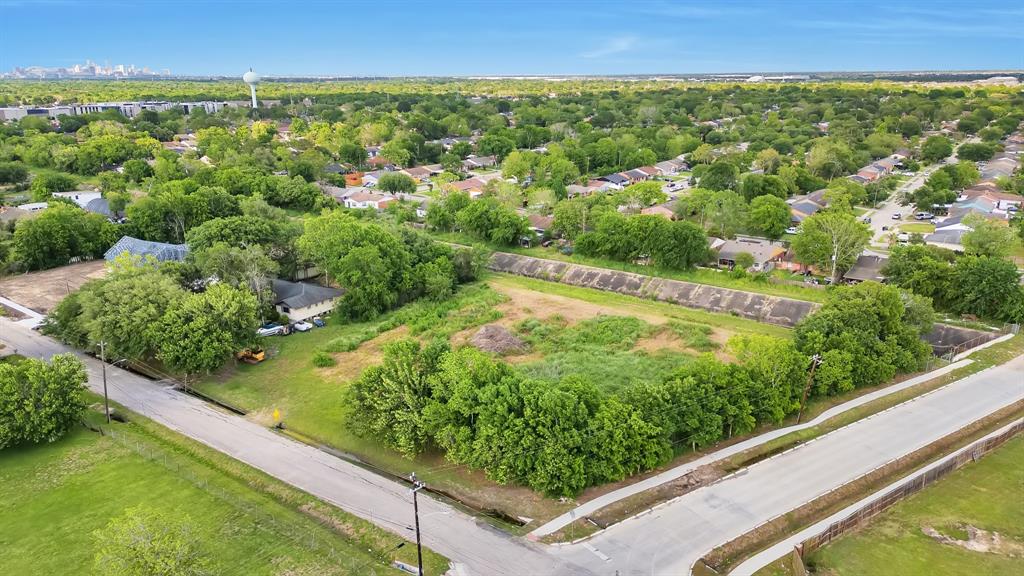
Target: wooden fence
971	454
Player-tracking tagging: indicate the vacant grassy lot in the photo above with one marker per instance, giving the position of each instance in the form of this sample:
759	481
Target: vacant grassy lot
614	339
986	496
55	495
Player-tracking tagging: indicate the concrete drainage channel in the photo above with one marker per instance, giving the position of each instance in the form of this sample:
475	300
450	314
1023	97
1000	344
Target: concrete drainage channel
753	306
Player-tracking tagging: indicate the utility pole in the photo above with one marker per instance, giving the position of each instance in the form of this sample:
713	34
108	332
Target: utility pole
416	487
815	360
103	366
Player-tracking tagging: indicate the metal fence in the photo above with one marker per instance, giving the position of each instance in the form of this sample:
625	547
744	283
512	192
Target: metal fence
971	454
250	514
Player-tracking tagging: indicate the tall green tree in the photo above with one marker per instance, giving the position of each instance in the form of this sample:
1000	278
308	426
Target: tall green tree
40	401
831	241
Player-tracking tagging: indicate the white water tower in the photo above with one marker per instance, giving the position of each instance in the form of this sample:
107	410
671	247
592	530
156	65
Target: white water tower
252	79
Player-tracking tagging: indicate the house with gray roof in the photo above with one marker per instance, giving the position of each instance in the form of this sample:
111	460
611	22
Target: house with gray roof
161	251
304	300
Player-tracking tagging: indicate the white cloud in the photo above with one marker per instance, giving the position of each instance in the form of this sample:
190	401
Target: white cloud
611	47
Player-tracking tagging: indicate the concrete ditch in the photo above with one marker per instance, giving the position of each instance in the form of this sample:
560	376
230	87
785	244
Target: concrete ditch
751	305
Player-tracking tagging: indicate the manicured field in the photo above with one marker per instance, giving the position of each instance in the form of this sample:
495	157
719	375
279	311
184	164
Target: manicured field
54	496
985	495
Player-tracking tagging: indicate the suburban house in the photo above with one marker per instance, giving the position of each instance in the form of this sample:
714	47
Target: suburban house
801	207
418	173
372	151
951	239
477	162
80	197
668	167
998	168
765	252
666	210
34	206
161	251
616	180
540	224
371	178
867	267
651	171
335	168
303	300
635	175
472	186
368	199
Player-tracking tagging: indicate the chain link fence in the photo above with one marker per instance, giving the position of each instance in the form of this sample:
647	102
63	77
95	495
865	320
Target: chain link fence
971	454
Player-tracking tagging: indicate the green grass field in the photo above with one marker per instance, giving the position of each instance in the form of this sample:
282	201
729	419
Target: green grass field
54	496
917	228
988	495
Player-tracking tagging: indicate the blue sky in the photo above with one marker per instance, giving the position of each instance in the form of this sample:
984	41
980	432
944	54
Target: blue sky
507	38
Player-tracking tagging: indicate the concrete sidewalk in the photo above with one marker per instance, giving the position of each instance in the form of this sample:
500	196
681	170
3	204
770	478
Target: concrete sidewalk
766	557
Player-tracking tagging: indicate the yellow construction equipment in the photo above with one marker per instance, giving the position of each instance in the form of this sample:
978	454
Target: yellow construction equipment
251	355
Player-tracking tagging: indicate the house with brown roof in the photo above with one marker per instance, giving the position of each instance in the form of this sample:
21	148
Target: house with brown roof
765	252
472	186
418	173
369	199
665	210
540	224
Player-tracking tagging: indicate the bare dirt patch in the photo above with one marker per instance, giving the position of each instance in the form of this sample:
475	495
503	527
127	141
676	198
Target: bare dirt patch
497	339
978	540
41	291
351	364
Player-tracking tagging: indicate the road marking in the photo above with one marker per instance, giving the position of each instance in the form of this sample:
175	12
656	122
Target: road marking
596	552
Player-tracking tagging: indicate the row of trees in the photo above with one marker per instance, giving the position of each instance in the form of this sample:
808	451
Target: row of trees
560	438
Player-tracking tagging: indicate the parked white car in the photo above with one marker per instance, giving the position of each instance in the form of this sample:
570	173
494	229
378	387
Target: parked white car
793	230
303	326
271	331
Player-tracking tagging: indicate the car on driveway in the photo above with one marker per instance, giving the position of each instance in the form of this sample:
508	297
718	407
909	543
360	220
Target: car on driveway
793	230
271	330
897	216
302	326
924	216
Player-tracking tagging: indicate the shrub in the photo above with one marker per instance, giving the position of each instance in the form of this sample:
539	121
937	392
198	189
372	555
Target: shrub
323	360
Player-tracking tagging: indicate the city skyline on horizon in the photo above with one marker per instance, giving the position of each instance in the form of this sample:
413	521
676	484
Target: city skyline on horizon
557	39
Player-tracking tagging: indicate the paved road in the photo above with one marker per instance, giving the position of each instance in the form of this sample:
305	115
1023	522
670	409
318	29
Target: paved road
481	550
672	538
666	542
596	504
883	215
762	559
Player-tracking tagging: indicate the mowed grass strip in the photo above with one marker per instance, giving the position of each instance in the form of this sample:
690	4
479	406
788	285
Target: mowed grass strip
55	495
988	494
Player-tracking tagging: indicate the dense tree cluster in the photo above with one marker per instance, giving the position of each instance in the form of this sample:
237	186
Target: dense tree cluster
140	312
560	438
982	285
380	268
671	244
40	401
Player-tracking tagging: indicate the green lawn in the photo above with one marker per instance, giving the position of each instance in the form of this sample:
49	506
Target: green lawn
55	495
987	495
917	228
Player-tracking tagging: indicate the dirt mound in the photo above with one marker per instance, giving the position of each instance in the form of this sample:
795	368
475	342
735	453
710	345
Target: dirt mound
497	339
